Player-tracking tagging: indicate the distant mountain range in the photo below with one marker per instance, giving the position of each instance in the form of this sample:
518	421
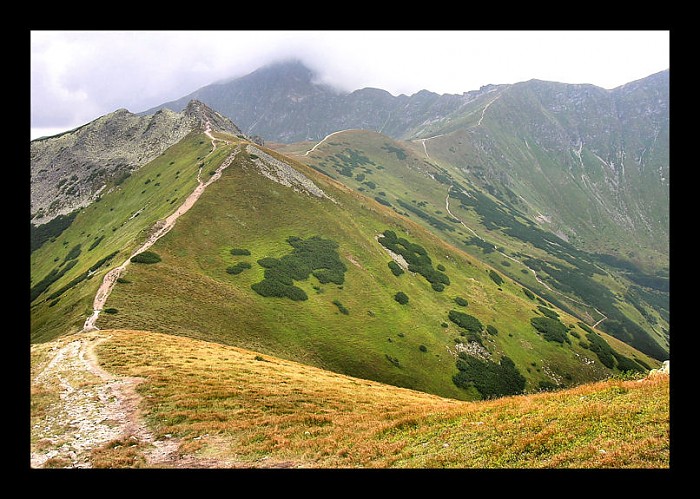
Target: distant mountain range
590	164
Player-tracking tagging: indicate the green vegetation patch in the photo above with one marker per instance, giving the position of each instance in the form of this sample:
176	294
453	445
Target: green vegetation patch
401	297
49	279
146	257
238	268
39	234
435	222
240	252
548	312
466	321
382	201
489	378
495	277
417	258
341	307
395	268
551	329
315	256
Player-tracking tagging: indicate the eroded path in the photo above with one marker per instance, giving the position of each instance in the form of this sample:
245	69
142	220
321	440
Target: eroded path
93	408
82	408
161	228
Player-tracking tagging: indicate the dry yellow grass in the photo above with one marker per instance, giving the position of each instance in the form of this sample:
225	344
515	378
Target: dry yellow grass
234	406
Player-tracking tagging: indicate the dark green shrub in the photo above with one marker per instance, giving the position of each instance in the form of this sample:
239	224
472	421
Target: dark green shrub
492	330
490	379
495	277
547	386
417	258
466	321
395	268
461	301
42	233
528	293
238	268
122	280
401	297
96	242
240	252
50	278
382	201
268	262
423	348
550	329
110	310
73	253
341	307
315	256
393	360
440	267
626	364
146	257
273	288
548	312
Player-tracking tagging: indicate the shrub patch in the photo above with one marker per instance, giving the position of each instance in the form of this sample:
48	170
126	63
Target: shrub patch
315	256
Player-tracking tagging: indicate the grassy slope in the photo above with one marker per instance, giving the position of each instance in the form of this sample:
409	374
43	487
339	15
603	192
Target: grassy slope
410	179
111	217
237	406
189	293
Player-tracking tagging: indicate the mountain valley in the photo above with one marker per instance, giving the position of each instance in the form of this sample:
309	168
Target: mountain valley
508	241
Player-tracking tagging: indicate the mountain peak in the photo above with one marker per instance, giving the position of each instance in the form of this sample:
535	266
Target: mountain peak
206	116
288	68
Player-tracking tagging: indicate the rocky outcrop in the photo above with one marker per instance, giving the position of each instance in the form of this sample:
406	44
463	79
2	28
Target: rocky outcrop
284	174
664	369
70	170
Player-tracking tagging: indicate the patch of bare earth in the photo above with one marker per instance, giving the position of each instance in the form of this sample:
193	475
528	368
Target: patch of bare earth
88	412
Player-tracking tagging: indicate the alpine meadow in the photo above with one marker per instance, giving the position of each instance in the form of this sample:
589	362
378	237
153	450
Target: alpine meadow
274	273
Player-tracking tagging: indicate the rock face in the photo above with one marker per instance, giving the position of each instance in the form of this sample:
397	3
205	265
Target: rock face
70	170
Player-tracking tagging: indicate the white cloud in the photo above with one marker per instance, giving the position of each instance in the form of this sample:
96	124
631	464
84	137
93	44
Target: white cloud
79	76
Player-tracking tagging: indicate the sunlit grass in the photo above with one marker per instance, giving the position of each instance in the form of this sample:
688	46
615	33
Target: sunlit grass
234	404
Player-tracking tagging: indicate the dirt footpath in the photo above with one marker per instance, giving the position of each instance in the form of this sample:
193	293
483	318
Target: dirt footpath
89	408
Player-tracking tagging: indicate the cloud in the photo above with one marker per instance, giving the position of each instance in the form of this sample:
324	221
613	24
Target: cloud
77	76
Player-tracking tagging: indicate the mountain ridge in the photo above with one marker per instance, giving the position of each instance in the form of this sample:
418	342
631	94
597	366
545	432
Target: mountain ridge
69	171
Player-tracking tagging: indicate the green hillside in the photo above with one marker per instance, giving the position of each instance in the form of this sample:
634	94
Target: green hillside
305	275
67	267
495	227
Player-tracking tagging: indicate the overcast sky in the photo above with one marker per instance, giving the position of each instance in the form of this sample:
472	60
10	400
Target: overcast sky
77	76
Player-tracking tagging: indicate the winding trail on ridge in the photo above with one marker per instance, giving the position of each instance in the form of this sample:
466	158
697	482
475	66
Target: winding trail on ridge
92	406
161	228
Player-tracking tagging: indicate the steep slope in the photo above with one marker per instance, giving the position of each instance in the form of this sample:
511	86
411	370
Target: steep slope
591	164
71	170
70	255
452	205
203	405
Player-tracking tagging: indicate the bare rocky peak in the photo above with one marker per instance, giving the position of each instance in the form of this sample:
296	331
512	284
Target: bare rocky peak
207	117
70	170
